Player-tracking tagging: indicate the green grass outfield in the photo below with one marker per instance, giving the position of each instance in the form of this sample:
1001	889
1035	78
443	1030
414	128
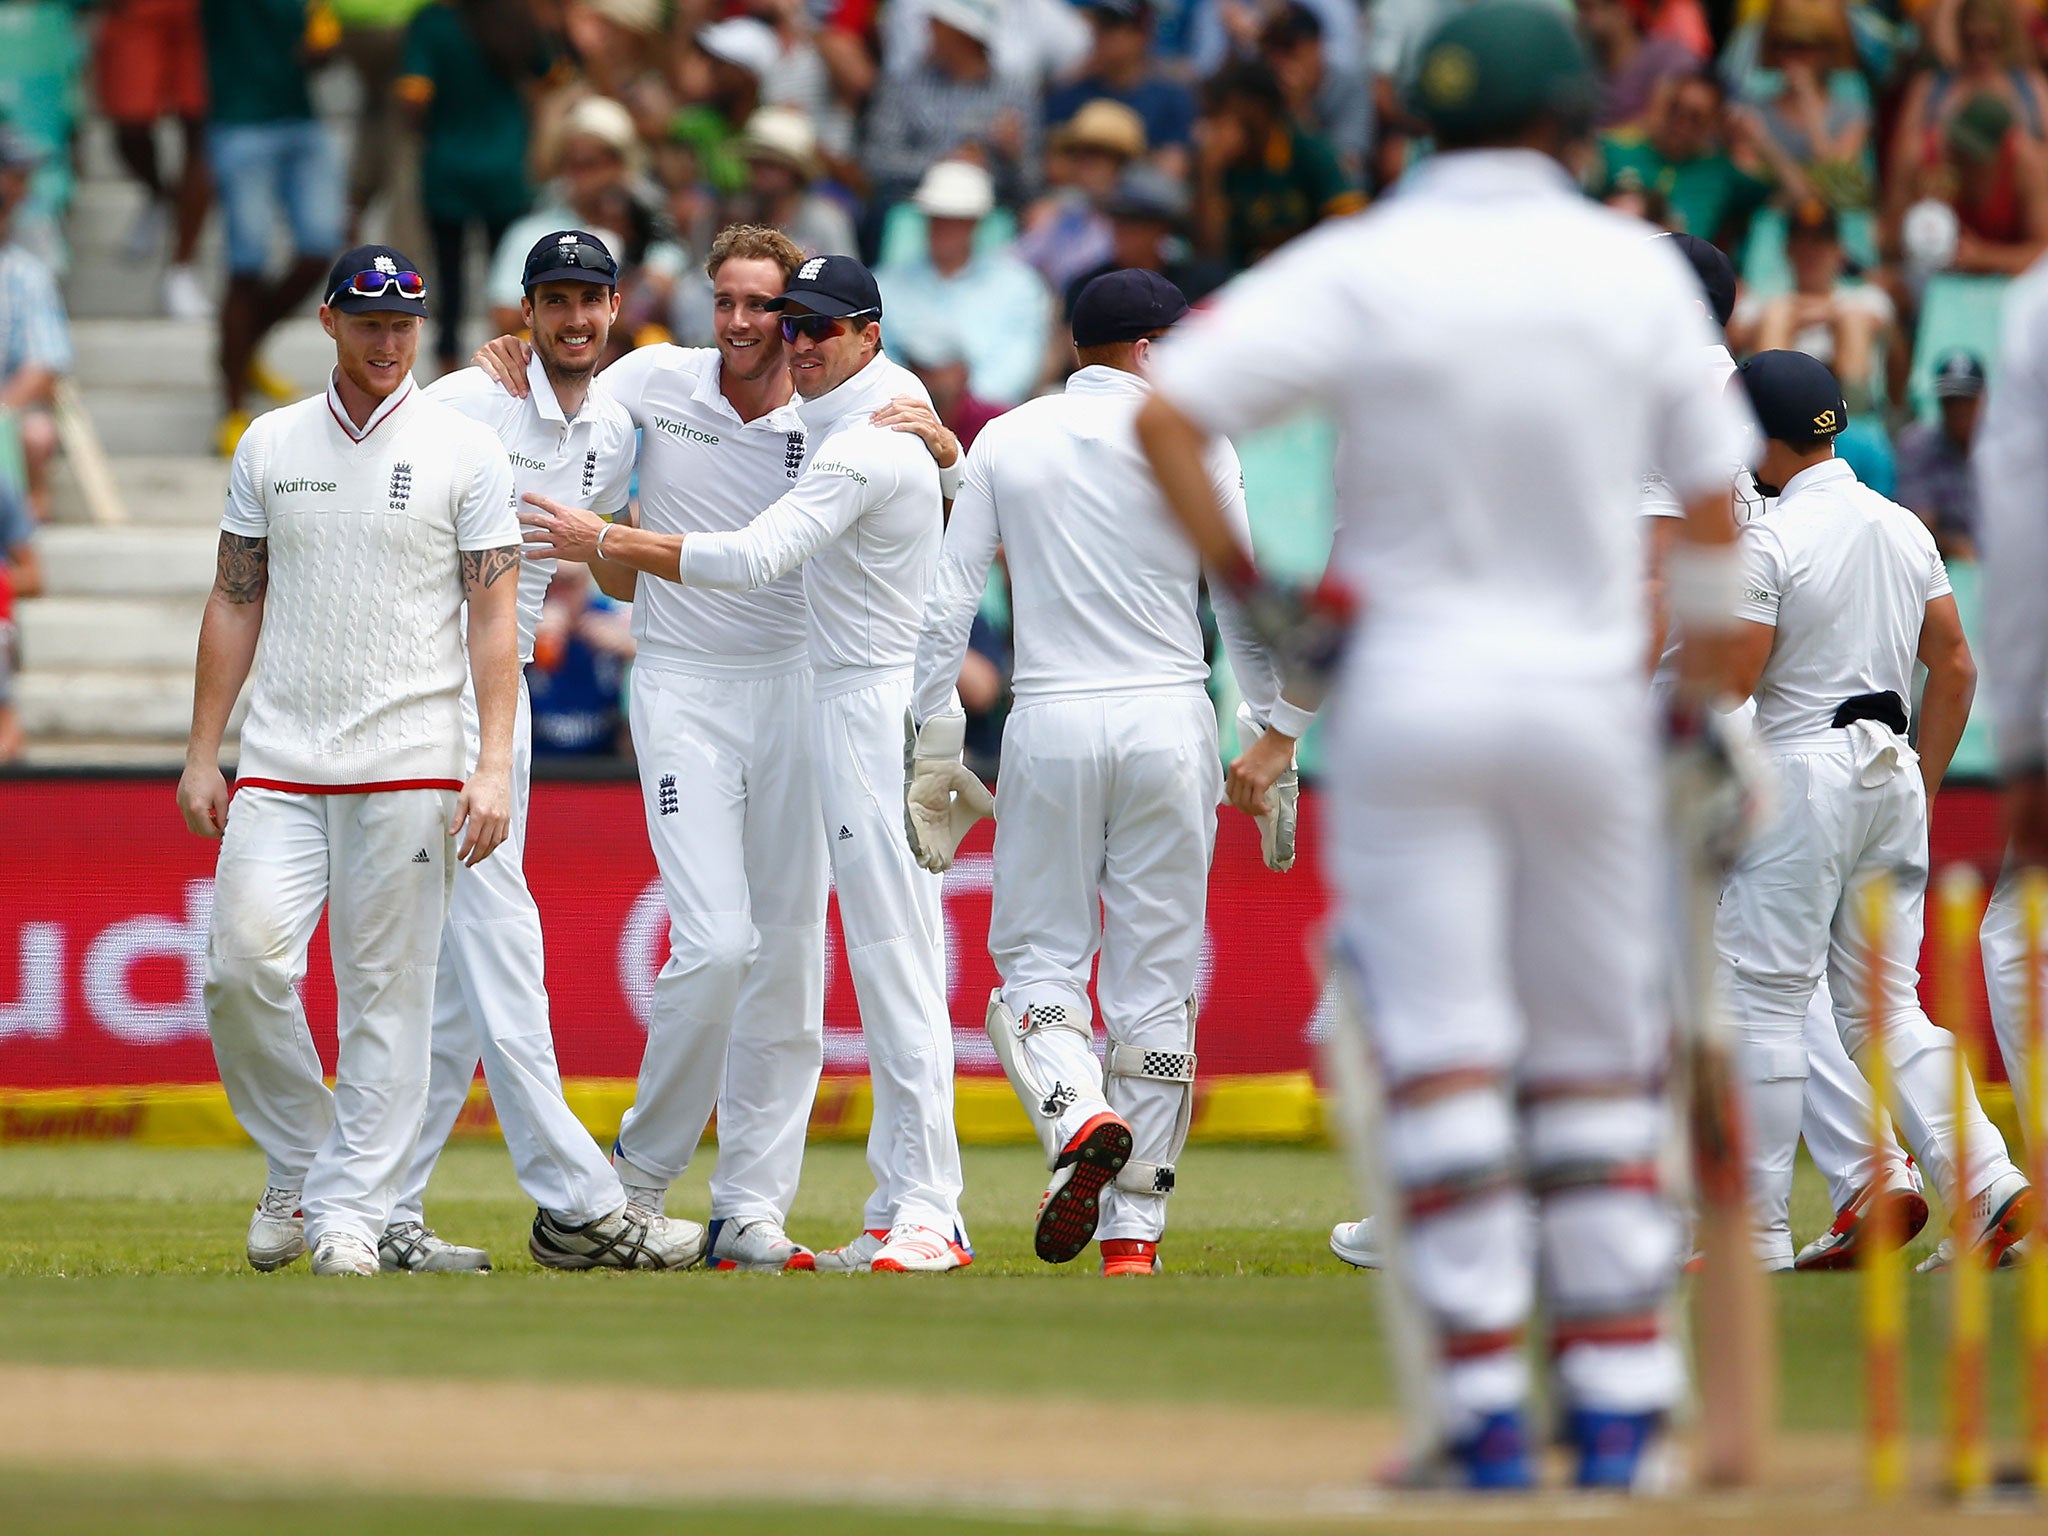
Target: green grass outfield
118	1257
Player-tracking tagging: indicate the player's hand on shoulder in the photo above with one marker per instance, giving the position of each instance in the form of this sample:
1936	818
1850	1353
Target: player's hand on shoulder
907	413
203	799
505	359
483	814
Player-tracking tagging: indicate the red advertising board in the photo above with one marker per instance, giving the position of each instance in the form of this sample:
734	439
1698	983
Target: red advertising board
104	900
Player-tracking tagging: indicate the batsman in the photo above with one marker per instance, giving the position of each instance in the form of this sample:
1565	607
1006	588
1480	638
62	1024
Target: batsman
1503	360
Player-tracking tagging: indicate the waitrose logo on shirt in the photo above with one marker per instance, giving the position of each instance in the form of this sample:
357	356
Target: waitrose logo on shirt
286	487
684	429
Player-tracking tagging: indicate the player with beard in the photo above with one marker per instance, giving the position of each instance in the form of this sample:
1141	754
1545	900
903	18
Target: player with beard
490	995
721	718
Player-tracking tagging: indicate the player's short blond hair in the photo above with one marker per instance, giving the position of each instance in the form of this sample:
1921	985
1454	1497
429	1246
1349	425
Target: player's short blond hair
753	242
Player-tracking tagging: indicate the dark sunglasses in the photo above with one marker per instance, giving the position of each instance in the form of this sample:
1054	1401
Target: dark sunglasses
818	327
370	285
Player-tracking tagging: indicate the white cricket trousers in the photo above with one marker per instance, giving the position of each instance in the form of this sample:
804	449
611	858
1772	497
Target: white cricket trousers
737	1019
891	916
2003	940
1495	859
380	865
1791	914
491	1005
1835	1117
1106	826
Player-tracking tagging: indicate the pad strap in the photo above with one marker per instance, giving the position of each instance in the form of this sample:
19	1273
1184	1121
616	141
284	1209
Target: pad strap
1123	1060
1138	1178
1636	1326
1565	1177
1462	1187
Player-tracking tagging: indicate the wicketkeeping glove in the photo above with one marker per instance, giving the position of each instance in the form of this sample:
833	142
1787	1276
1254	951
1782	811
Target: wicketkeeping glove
942	797
1721	787
1307	628
1276	821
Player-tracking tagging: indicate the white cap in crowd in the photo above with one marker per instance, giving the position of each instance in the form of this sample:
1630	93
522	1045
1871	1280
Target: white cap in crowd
955	189
744	41
783	134
979	19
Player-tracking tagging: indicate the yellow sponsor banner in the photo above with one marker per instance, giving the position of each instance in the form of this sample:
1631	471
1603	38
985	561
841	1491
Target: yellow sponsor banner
1272	1107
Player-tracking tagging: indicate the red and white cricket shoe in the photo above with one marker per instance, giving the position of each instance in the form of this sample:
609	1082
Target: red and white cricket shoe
1130	1256
1072	1202
914	1250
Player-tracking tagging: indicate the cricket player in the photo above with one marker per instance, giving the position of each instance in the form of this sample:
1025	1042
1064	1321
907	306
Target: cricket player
863	521
1110	777
568	438
1842	591
358	524
1504	358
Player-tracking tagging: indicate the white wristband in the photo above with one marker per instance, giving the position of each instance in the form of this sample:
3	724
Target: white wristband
607	528
1702	584
950	476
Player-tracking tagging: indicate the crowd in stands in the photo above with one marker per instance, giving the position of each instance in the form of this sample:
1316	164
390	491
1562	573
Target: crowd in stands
1856	158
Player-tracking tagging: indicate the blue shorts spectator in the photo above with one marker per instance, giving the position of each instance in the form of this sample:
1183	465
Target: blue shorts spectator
261	169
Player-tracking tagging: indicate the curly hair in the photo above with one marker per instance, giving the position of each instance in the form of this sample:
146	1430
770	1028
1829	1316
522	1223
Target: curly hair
753	242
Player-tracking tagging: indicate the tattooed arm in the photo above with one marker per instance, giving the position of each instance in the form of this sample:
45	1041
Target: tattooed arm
490	584
227	648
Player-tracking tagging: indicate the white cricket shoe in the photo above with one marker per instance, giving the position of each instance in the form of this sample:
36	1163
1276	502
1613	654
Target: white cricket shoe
912	1249
184	296
632	1237
415	1247
2003	1216
277	1232
757	1244
343	1253
1357	1244
1841	1245
854	1258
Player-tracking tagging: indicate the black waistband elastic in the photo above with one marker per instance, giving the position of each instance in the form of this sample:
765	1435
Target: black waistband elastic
1886	707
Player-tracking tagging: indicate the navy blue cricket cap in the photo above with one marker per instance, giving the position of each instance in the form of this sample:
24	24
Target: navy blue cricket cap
1794	396
354	286
569	256
1125	305
1710	264
832	285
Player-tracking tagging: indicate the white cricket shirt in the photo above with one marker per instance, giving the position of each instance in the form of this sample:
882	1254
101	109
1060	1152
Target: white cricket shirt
1504	359
1103	584
585	462
359	673
1845	576
863	520
2011	467
703	470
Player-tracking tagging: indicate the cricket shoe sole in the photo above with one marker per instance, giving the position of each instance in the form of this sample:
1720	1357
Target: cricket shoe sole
1072	1203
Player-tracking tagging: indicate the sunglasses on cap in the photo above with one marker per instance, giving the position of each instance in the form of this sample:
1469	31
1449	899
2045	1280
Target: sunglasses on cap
371	285
819	327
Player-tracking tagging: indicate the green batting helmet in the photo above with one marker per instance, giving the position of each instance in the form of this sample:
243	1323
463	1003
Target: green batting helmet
1495	68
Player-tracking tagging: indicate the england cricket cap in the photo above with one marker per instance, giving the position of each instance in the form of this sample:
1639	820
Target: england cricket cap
569	256
1496	67
1958	375
1794	396
1714	270
403	291
1125	305
832	285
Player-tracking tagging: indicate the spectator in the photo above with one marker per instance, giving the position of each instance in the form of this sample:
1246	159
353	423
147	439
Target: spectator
1631	63
781	153
1934	457
1148	215
466	65
740	53
599	188
804	80
1120	68
618	43
1982	207
1326	97
1811	101
1844	324
954	103
984	687
1066	232
994	305
941	363
1221	30
152	65
35	337
1990	58
1260	180
265	145
1035	41
1683	154
581	648
373	34
21	575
